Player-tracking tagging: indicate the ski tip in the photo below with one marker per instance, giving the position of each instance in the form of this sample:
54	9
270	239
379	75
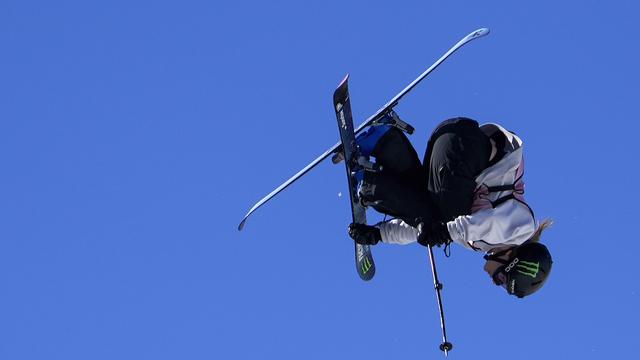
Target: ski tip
241	226
481	32
346	78
341	90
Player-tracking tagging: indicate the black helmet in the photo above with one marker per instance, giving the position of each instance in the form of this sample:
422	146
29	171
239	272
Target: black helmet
526	270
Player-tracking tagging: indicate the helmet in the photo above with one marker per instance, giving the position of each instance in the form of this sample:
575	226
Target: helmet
526	270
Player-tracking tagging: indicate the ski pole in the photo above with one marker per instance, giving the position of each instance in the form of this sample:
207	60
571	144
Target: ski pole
445	346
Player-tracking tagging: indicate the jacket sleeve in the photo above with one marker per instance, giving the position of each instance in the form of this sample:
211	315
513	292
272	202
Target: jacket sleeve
511	223
397	231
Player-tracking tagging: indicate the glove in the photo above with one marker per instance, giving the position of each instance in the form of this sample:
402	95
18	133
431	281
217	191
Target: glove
433	234
364	234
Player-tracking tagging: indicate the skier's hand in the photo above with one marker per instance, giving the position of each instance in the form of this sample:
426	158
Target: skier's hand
433	234
364	234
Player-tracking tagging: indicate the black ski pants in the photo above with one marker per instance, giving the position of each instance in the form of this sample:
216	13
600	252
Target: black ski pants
438	189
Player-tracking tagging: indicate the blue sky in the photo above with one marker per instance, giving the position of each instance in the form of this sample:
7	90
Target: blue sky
134	135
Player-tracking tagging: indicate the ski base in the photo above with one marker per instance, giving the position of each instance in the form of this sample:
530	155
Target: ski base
342	105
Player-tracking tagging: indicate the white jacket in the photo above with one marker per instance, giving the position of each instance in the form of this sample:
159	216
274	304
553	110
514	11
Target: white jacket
487	227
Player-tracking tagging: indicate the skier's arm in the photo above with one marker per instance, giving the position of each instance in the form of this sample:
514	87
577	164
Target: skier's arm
397	231
511	223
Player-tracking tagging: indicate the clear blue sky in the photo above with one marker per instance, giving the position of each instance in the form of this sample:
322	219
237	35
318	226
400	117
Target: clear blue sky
134	135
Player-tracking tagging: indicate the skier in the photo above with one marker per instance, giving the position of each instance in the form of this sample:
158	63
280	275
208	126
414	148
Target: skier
468	190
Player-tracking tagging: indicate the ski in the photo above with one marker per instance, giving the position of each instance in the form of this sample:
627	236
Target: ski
342	105
377	116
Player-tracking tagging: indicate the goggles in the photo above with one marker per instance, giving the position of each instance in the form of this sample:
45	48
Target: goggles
499	277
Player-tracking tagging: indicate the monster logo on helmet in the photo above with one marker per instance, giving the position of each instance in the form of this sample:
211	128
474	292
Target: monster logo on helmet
528	268
532	264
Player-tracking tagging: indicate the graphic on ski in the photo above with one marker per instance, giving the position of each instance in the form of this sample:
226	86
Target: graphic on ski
342	105
377	116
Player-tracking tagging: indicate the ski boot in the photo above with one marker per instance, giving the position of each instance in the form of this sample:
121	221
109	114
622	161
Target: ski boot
368	139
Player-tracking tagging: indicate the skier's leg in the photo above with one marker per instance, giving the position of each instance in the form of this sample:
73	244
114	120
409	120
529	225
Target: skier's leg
394	152
399	189
456	154
399	197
